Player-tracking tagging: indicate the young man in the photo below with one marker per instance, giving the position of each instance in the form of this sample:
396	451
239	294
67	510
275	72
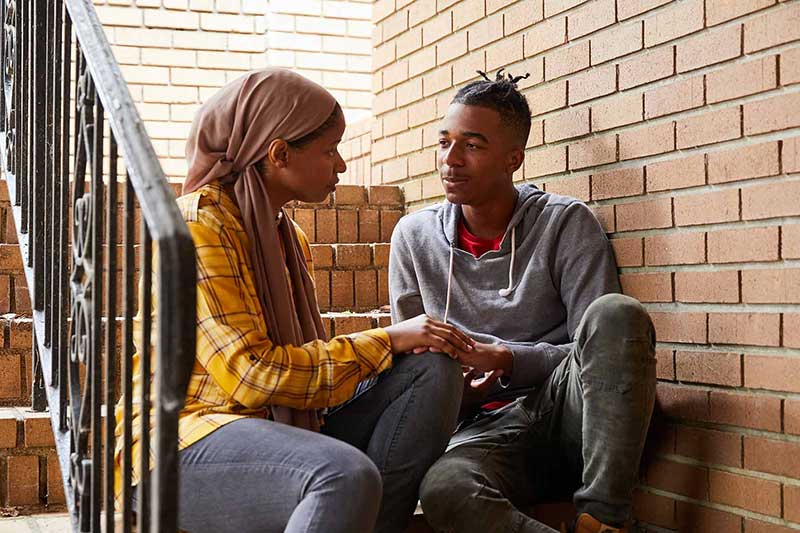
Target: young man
531	277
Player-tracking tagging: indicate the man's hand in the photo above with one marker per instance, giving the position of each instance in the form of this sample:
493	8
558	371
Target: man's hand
487	357
423	331
477	389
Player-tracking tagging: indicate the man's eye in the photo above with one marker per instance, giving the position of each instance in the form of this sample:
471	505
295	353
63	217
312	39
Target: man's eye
444	143
472	146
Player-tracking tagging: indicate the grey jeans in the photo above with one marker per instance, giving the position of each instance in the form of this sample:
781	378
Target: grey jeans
581	434
255	475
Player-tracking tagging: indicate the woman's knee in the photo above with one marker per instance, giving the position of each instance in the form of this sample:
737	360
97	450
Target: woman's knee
355	474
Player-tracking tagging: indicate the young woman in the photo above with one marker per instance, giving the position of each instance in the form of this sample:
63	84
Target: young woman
256	451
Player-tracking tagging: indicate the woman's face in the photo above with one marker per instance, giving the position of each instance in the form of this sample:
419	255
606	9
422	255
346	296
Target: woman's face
311	172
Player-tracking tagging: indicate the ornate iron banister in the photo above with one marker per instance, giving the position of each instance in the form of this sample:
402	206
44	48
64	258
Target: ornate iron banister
69	239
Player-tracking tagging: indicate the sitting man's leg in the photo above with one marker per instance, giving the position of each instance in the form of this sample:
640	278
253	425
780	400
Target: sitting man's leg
403	423
255	475
590	418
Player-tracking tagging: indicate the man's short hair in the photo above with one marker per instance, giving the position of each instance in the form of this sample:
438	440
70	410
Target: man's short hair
500	95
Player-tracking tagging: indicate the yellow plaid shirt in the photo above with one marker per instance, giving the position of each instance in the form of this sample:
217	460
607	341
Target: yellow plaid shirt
238	371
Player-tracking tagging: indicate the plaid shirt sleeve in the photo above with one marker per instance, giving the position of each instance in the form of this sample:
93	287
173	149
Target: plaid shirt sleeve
236	351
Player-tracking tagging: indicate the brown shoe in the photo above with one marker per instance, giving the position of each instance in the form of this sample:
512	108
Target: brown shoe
586	523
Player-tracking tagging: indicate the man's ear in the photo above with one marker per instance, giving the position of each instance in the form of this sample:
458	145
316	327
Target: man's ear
515	159
278	153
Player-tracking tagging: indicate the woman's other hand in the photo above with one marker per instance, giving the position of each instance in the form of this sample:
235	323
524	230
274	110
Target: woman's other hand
424	332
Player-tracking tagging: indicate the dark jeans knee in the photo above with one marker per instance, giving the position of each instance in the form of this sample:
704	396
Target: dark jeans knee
618	315
447	492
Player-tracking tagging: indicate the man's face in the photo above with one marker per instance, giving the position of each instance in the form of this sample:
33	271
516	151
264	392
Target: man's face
477	154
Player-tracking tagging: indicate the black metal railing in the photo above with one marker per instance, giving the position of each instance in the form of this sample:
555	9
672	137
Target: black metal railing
72	139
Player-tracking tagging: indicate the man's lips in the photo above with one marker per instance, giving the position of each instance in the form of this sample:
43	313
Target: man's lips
454	179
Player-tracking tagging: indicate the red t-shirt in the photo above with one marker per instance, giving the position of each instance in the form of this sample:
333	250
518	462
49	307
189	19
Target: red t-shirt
474	244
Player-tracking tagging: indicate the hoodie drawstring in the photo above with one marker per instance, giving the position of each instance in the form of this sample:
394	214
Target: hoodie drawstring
502	292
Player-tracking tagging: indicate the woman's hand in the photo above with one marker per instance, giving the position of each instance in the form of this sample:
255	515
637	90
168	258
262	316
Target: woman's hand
423	331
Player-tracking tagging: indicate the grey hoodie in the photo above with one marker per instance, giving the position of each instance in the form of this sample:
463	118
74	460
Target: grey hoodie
561	263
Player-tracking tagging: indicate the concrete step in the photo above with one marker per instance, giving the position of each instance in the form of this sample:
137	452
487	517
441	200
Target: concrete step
43	523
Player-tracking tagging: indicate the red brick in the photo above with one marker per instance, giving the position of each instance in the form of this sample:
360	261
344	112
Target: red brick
326	225
741	245
617	183
572	122
353	255
383	286
735	81
628	252
342	296
759	329
721	286
708	128
708	48
776	26
647	140
780	286
385	195
709	367
753	161
697	518
593	151
566	60
368	225
38	431
322	255
791	414
8	430
654	509
745	410
773	373
790	66
305	219
381	254
777	457
718	11
10	385
21	334
389	220
677	401
322	284
545	35
680	327
665	364
710	446
771	200
676	173
605	215
55	487
708	208
644	215
648	287
753	494
618	110
680	478
652	66
545	160
675	97
616	42
22	480
576	187
675	249
790	241
791	504
599	81
777	113
347	225
350	195
791	330
547	98
10	258
756	526
345	325
680	19
366	289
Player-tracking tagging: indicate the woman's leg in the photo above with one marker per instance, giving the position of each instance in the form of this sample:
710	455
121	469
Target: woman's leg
262	476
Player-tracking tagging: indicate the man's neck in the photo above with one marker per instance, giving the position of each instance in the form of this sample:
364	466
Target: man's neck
489	219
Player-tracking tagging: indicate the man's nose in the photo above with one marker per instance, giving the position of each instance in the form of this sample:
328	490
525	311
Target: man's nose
452	156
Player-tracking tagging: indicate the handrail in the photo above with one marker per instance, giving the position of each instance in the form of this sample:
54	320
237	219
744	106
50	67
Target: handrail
75	298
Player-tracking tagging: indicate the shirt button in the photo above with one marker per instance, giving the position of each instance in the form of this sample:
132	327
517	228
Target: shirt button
252	357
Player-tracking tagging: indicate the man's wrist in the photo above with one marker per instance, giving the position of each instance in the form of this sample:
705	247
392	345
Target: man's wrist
505	360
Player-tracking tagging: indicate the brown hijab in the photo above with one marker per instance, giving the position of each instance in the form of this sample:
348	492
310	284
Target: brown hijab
230	135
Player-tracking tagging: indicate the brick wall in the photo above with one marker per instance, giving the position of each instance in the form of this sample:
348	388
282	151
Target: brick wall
176	53
677	122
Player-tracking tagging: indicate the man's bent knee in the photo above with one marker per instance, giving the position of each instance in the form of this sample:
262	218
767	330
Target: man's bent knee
621	314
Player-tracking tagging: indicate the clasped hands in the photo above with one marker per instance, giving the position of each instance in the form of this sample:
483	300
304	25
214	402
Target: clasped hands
423	333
